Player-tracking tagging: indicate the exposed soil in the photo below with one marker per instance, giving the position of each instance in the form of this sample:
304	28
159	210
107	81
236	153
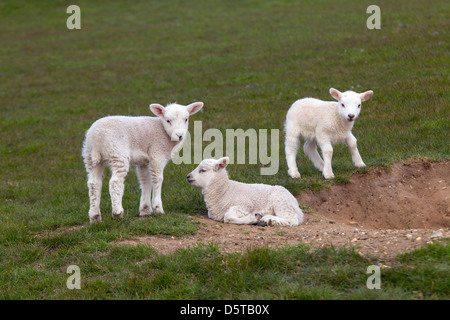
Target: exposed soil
381	213
410	196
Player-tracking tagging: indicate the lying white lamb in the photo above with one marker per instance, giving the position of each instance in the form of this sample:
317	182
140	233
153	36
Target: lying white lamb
240	203
323	123
146	142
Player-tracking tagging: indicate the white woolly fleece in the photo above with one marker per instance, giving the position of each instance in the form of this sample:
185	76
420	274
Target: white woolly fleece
323	124
236	202
146	142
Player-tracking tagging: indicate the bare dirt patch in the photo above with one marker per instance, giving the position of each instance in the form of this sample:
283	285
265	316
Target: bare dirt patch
410	195
381	213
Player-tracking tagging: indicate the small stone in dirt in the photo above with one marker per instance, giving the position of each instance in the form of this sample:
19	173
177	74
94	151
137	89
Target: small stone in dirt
436	234
332	221
261	224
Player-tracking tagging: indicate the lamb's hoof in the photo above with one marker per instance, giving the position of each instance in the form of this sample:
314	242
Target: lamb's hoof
158	210
261	224
360	165
118	214
145	212
268	222
294	174
328	176
95	219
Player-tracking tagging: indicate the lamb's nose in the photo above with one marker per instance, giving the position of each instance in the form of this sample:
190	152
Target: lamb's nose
188	176
180	138
351	116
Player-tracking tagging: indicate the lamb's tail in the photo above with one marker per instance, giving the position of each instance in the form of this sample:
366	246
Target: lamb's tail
91	157
291	137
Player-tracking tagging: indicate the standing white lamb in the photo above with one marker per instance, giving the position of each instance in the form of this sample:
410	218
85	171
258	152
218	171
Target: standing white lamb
146	142
323	123
240	203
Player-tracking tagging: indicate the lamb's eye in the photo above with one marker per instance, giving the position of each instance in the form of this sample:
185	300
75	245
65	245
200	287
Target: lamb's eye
185	120
202	170
343	105
359	106
168	121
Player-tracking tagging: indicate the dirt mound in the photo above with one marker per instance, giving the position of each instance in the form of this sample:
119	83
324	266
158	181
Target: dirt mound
380	213
409	196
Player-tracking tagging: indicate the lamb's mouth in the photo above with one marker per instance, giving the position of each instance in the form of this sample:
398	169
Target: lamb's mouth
350	119
190	181
177	138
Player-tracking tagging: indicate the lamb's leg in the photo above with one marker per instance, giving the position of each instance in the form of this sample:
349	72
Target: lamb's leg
285	217
286	211
310	149
238	215
350	140
119	170
327	153
271	220
156	173
292	143
145	206
94	183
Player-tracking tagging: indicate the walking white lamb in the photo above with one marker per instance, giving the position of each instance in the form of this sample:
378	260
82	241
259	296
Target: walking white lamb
146	142
240	203
323	124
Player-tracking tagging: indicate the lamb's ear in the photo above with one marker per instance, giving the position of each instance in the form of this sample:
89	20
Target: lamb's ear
221	163
366	95
194	107
157	109
335	93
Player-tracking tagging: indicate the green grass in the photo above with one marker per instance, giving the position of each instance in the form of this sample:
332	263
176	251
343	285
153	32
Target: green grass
248	61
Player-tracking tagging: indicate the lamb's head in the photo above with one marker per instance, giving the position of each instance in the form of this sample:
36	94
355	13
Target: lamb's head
206	171
175	118
349	102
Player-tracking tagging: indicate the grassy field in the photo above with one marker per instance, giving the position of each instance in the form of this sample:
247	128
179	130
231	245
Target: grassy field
248	61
